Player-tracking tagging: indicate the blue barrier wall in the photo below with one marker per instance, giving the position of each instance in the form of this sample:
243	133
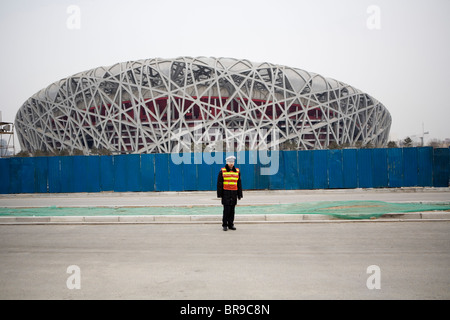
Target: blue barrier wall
313	169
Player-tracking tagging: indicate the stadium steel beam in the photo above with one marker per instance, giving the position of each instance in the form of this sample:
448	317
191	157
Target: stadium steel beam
137	106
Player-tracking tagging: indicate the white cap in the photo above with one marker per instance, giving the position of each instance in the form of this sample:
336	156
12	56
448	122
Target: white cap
230	159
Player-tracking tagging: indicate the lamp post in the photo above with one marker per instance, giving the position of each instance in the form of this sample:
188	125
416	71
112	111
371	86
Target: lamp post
423	133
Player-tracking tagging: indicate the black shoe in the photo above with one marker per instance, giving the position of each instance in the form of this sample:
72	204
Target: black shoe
225	228
232	228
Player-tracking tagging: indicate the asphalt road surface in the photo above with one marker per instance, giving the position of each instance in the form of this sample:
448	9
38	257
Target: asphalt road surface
199	261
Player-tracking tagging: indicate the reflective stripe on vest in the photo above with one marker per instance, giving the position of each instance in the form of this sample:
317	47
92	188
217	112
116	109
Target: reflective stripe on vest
230	179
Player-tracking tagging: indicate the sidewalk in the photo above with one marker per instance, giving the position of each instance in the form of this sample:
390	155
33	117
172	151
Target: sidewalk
208	199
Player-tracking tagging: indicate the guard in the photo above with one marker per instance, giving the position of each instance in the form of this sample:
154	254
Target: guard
229	188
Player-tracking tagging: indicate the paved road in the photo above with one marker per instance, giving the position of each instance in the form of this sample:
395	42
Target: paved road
208	198
257	261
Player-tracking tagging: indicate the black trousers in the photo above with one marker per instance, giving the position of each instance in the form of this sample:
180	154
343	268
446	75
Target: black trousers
228	216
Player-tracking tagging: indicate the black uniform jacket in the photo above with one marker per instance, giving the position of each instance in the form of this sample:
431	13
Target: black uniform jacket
229	197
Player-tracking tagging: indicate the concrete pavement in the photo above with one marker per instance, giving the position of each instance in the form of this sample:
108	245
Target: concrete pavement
208	198
186	199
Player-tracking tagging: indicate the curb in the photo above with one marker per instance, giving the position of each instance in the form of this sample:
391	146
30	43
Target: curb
201	219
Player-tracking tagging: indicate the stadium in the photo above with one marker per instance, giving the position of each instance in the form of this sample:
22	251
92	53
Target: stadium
159	105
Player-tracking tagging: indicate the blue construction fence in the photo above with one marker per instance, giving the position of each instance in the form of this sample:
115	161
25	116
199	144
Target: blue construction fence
312	169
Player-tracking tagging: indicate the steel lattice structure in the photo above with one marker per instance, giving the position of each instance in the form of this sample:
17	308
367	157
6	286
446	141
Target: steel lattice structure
137	106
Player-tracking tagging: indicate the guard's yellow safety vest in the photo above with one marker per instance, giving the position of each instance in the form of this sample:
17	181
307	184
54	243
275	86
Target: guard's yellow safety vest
230	179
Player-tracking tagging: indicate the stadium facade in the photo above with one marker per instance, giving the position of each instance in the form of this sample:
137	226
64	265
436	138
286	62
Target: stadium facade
156	105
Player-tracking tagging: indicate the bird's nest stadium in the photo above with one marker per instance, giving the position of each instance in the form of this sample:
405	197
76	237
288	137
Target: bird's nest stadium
158	105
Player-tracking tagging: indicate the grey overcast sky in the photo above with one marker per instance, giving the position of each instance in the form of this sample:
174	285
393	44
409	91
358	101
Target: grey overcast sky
398	51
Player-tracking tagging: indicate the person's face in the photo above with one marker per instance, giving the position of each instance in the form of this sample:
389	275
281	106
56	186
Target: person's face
230	164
